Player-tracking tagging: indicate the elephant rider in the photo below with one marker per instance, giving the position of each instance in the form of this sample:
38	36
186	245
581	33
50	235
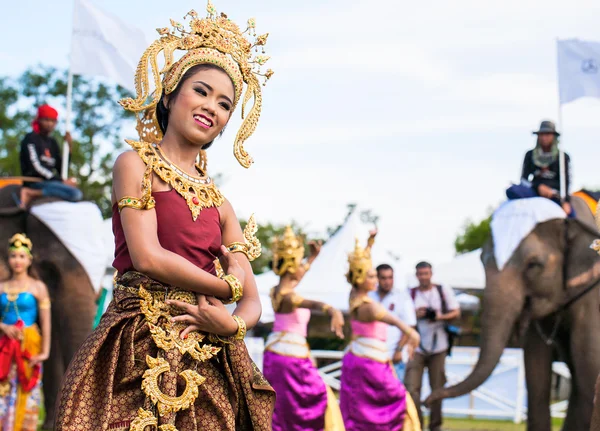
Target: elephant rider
40	157
541	170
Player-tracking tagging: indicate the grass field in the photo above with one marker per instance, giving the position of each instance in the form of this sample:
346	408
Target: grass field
483	425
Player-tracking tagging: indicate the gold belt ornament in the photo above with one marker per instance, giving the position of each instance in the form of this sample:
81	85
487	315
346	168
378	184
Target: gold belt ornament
166	337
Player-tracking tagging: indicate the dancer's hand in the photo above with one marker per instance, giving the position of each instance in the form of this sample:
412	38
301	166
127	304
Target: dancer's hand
315	248
411	340
231	265
397	358
210	315
337	323
11	331
38	359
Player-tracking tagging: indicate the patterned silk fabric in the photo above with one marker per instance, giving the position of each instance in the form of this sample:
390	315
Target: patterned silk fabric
103	386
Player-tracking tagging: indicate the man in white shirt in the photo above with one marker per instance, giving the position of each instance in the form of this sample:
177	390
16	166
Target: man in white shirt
398	302
435	306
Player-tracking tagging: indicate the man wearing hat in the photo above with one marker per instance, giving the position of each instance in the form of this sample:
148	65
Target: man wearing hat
41	158
541	170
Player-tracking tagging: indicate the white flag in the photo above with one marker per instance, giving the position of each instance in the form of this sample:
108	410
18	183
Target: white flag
578	69
103	45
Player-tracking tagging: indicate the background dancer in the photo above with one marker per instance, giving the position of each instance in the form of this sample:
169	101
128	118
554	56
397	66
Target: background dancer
304	401
371	397
24	345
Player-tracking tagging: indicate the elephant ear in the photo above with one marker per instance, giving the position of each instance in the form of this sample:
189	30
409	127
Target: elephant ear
582	263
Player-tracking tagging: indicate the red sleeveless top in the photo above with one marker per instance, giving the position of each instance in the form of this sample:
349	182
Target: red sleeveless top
197	241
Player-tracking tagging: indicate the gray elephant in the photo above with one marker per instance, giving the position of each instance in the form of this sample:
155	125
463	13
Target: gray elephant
71	292
549	291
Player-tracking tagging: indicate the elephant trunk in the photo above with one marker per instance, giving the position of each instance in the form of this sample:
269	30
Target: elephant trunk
502	306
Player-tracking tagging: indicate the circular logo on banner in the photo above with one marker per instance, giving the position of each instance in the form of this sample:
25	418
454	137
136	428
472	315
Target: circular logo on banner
589	66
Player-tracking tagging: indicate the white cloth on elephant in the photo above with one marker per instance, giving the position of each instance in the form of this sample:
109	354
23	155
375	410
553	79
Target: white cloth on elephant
515	219
78	226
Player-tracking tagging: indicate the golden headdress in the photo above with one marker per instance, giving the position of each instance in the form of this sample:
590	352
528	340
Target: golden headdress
288	252
20	242
359	262
211	40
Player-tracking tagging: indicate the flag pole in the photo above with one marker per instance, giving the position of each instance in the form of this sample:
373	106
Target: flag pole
68	126
66	150
559	124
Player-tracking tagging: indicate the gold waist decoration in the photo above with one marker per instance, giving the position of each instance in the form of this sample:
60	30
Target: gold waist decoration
165	334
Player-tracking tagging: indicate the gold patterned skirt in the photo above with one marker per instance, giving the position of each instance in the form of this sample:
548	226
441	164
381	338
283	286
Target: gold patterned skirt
135	373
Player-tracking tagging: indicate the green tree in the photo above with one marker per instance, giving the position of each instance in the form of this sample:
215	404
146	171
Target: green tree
473	235
97	121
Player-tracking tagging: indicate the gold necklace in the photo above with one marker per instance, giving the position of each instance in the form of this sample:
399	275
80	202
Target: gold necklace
12	293
199	192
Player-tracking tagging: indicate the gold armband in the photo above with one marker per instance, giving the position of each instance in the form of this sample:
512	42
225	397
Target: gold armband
380	313
44	304
241	332
296	300
136	203
237	290
326	308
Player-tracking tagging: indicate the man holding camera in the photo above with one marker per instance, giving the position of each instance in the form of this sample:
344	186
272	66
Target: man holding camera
435	306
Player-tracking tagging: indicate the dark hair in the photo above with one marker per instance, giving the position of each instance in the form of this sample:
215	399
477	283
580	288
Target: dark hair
423	265
162	111
384	267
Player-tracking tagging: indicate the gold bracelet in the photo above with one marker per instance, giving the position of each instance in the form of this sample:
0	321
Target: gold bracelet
239	247
241	332
237	290
326	308
44	304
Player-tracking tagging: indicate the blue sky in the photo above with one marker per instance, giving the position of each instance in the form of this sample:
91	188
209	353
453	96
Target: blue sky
421	111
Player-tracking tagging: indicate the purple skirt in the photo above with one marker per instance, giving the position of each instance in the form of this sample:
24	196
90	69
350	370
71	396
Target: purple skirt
301	393
371	397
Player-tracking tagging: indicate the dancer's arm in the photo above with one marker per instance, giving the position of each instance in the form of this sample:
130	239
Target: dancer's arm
140	228
369	312
337	317
45	323
249	307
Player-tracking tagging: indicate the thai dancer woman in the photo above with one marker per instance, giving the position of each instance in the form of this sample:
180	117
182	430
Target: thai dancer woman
167	355
371	397
304	401
24	345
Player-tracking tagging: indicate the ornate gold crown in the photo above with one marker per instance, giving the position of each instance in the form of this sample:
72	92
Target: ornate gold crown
20	242
288	252
359	262
212	40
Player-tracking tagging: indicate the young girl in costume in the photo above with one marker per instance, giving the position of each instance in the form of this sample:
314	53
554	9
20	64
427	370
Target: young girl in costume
23	344
304	401
167	354
371	397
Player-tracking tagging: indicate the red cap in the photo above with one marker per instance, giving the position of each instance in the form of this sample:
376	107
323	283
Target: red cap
44	111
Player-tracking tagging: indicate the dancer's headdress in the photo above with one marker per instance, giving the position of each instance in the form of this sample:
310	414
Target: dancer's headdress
359	263
212	40
288	252
19	242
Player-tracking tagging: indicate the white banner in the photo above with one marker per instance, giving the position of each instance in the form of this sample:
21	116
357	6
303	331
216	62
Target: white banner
578	69
103	45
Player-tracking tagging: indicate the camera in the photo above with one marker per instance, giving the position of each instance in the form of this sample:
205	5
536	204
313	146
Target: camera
430	314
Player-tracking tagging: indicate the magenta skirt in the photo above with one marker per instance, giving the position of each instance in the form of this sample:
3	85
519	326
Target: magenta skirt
301	393
371	397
